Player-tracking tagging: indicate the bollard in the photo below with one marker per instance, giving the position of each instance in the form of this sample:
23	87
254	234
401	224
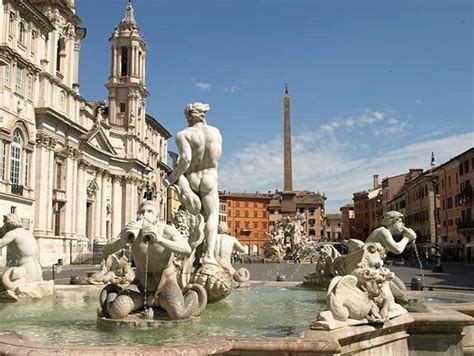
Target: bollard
416	283
280	278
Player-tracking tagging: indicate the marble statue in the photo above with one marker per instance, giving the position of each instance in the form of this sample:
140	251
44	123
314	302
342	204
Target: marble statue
287	239
113	269
195	174
392	226
226	245
23	278
362	295
155	287
363	290
324	267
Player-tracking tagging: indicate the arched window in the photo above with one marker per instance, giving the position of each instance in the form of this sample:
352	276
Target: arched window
60	54
15	158
21	33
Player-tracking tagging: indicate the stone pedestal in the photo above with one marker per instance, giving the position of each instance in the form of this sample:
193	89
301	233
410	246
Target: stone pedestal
438	332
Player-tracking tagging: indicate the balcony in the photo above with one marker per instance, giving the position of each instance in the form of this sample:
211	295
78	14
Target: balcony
59	195
465	196
17	189
466	226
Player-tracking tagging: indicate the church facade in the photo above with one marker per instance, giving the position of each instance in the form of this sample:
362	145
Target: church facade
75	171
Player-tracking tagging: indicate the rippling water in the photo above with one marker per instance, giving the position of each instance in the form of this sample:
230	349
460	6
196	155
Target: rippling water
258	311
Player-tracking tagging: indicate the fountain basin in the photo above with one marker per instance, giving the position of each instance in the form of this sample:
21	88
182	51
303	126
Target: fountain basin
267	318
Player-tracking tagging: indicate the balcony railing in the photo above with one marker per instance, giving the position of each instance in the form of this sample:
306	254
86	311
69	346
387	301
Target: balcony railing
17	189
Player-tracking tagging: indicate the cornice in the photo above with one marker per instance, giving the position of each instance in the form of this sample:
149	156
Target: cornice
30	12
60	84
7	54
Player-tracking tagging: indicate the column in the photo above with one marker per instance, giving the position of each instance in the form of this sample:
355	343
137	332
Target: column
143	68
129	198
49	194
116	206
73	202
41	184
97	207
68	216
81	201
103	207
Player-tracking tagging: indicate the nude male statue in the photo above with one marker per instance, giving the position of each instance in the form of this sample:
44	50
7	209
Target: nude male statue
392	225
154	242
200	148
225	246
23	246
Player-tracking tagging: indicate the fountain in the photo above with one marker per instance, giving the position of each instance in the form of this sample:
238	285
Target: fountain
180	299
287	240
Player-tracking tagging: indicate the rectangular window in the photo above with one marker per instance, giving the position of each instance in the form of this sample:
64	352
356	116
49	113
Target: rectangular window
19	80
6	76
3	156
122	107
466	166
450	203
33	41
59	175
15	165
29	88
27	168
11	25
124	61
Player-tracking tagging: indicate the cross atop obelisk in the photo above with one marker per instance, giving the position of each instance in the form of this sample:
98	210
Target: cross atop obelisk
287	179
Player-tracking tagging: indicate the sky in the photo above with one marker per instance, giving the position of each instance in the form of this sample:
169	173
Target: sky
375	85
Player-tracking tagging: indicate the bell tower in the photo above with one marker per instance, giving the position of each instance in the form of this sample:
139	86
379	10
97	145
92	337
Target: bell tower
126	85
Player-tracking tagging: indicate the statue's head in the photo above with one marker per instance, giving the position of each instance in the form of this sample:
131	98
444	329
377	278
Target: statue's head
148	210
196	112
12	221
222	228
393	221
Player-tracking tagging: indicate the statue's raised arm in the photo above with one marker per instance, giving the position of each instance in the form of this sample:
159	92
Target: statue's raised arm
392	225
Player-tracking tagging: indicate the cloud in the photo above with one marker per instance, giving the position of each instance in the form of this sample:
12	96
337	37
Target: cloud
203	86
231	88
325	160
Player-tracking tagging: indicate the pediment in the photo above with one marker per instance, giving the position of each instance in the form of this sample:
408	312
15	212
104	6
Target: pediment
97	139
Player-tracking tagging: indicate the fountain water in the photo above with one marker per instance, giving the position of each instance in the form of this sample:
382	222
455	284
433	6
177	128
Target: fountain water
419	262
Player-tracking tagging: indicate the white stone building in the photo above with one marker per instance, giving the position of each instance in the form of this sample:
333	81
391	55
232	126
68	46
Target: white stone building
74	170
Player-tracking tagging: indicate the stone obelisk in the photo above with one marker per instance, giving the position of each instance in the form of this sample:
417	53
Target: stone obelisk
287	178
288	203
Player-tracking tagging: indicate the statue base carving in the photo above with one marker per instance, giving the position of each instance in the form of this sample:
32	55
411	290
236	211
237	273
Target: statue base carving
216	280
325	321
32	290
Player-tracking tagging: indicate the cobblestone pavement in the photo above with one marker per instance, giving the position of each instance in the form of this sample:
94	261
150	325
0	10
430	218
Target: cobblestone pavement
454	275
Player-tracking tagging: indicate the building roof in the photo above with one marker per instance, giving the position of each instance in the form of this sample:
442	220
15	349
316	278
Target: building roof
471	150
245	195
159	126
302	197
